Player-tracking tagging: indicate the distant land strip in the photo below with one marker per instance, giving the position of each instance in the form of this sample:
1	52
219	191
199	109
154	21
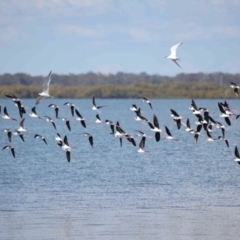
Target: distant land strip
122	85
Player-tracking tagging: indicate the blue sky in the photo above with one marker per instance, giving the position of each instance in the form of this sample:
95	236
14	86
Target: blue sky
107	36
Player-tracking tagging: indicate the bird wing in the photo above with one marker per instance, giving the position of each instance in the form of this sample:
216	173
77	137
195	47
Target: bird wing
72	110
53	123
68	125
22	123
78	113
167	131
34	110
155	121
174	49
47	83
56	111
142	143
9	136
68	155
13	152
39	99
65	140
91	140
93	101
174	60
83	123
5	111
237	152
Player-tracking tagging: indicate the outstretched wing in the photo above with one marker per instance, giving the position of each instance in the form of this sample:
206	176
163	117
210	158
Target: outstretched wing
47	83
174	49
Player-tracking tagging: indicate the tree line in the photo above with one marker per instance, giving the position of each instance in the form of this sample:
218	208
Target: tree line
122	85
120	78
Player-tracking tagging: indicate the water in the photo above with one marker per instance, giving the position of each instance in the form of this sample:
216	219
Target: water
177	191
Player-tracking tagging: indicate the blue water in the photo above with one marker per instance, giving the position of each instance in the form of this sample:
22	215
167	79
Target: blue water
176	191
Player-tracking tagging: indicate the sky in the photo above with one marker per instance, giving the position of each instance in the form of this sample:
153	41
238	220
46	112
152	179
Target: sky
108	36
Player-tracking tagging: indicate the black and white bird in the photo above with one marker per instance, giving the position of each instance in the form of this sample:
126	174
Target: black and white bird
111	124
66	147
72	107
98	119
142	134
58	138
134	108
173	55
45	93
155	127
169	135
37	136
224	113
56	107
142	145
11	148
95	107
90	138
67	121
80	118
18	104
139	117
188	127
177	119
147	101
17	133
9	134
235	88
21	128
33	114
48	119
237	159
119	133
6	116
197	133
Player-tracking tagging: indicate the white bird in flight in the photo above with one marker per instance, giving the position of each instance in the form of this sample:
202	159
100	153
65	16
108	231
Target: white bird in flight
173	56
45	92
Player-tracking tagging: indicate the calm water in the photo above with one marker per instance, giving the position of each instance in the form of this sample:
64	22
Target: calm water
177	191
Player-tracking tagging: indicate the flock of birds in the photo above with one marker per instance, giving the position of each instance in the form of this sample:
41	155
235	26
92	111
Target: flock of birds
205	122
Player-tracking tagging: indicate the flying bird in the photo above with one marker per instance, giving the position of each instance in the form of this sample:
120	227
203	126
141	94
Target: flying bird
95	107
33	114
155	128
146	101
80	118
72	107
173	56
237	159
235	88
65	147
45	93
90	138
48	119
67	121
40	137
11	148
21	128
142	145
56	107
6	116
